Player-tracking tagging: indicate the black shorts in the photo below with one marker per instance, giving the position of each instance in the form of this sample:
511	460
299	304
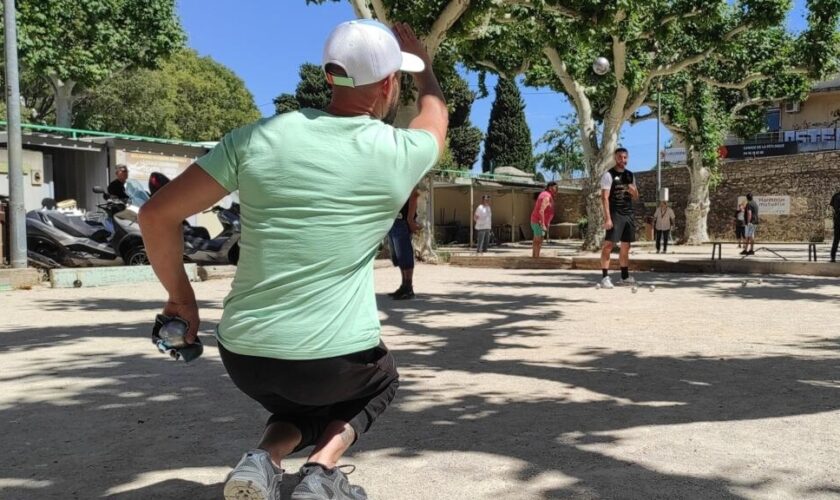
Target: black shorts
354	388
739	232
623	230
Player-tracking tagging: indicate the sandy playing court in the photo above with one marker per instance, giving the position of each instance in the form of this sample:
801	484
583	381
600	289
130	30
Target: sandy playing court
515	384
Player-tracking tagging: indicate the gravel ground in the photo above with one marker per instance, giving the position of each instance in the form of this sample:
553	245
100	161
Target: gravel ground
515	384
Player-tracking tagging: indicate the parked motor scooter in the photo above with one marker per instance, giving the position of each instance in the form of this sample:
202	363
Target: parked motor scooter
55	239
198	245
126	241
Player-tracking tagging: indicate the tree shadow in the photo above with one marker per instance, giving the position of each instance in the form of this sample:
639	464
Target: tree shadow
124	416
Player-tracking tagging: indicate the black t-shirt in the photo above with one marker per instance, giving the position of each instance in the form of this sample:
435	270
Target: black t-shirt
752	207
117	189
835	204
620	200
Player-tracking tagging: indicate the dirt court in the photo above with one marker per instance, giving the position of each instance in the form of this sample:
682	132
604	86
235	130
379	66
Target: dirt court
515	385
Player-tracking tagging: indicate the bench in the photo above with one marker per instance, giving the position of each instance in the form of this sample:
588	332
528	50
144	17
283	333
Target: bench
717	246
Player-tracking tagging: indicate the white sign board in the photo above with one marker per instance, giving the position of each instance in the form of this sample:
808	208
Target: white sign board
673	155
772	205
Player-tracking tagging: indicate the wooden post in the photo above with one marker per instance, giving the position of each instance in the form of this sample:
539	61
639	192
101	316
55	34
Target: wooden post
513	228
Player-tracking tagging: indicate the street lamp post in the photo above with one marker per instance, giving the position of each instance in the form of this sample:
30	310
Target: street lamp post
14	141
658	161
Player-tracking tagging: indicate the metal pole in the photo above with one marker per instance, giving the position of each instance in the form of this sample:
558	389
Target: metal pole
471	212
512	216
17	212
658	162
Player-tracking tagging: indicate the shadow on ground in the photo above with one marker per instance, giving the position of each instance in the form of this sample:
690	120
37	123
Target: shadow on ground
126	414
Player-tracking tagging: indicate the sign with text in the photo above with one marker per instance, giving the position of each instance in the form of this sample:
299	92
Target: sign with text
740	151
772	205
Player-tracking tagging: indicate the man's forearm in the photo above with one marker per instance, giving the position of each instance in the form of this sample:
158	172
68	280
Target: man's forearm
605	206
164	242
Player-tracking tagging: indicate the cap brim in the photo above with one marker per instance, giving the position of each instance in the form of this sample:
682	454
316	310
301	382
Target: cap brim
412	63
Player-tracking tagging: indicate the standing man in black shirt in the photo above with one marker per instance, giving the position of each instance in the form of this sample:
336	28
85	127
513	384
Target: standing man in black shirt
117	187
618	190
835	205
751	224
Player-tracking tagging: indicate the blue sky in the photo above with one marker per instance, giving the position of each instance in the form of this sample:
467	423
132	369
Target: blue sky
265	42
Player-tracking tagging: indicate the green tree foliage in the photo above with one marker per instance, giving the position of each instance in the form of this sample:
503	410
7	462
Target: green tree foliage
284	103
555	44
729	94
463	138
77	44
508	136
312	91
189	98
562	152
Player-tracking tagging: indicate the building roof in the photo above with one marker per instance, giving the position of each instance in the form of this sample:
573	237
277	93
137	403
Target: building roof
512	172
829	85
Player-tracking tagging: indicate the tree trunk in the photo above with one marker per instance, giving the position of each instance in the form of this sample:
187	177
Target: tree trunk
64	100
697	208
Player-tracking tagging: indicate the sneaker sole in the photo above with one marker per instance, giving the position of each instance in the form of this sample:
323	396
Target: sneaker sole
239	489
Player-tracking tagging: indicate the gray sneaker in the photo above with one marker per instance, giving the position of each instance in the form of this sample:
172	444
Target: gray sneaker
318	483
254	478
606	282
630	281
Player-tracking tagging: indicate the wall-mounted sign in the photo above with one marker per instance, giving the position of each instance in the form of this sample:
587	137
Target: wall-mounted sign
741	151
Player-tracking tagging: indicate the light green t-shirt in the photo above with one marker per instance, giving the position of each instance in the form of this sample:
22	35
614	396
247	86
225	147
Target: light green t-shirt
318	193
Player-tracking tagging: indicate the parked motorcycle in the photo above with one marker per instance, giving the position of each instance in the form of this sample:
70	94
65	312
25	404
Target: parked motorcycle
126	241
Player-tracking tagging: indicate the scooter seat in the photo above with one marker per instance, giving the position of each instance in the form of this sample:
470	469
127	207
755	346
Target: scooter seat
72	225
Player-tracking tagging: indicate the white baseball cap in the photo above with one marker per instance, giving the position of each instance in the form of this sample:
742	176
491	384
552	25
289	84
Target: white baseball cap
368	52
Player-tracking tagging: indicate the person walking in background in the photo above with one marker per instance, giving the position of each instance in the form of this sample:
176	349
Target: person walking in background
541	216
739	224
751	224
663	223
483	223
835	205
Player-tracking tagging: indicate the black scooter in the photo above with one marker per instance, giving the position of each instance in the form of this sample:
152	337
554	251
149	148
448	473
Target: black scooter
55	239
198	245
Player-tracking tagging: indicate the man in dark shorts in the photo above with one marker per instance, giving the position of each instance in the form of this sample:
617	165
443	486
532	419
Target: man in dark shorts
618	190
300	330
402	251
835	207
750	225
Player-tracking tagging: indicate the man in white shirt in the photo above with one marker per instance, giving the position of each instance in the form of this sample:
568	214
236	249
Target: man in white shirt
483	217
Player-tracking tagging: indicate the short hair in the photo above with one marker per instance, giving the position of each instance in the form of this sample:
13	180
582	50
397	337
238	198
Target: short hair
121	167
749	196
621	150
550	185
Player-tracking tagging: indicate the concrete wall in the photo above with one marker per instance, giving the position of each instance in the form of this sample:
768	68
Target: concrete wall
808	179
33	161
817	111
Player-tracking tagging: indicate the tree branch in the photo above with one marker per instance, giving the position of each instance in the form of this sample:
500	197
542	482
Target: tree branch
362	9
636	118
754	77
444	22
669	19
676	67
581	102
504	74
554	9
381	11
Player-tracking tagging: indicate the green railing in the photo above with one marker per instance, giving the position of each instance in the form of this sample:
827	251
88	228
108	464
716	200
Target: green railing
74	133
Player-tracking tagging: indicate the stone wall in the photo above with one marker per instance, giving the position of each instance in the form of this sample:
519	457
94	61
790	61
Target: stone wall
568	207
809	179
